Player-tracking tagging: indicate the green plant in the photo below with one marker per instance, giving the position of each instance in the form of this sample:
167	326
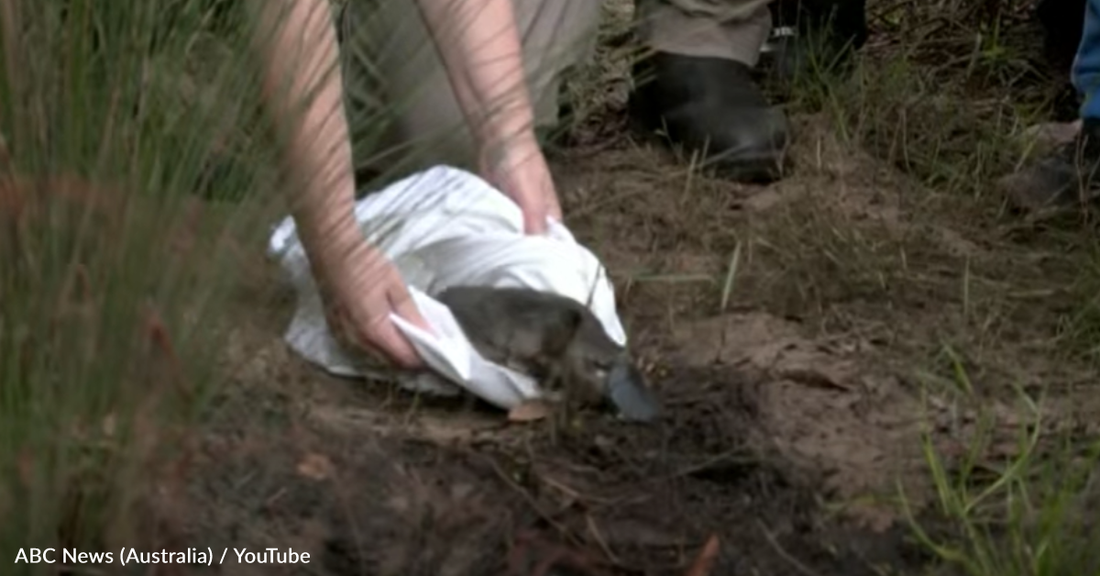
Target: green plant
112	276
1023	514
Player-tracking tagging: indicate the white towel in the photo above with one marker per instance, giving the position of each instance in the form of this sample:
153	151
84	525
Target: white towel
445	227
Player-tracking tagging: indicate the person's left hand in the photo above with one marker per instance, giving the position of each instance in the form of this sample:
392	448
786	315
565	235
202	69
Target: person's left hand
520	171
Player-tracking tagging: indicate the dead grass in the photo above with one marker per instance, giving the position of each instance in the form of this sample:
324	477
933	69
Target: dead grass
952	276
890	230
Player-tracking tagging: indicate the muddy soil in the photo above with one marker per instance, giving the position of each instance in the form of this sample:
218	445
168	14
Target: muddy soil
782	326
781	440
371	481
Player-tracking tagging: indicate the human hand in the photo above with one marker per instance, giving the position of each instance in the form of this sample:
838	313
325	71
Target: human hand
362	288
520	171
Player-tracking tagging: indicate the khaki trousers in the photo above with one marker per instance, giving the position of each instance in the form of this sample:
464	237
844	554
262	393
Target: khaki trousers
731	29
400	100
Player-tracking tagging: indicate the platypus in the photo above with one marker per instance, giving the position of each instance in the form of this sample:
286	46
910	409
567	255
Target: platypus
557	341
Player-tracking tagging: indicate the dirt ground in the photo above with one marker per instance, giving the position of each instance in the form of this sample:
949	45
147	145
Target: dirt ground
792	415
782	440
796	388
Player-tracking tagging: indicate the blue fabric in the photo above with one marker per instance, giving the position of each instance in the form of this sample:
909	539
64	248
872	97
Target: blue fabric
1086	66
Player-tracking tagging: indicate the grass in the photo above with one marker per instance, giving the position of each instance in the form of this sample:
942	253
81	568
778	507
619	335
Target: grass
112	277
1022	513
115	279
931	113
113	287
955	127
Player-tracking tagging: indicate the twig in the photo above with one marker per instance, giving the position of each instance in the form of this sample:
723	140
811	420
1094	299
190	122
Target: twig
569	492
271	500
731	277
704	562
802	568
575	495
527	497
601	541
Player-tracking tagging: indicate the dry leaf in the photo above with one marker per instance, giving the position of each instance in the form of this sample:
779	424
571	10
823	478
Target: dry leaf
315	467
529	411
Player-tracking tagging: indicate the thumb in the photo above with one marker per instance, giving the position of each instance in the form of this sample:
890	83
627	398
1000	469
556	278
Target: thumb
404	306
534	222
399	348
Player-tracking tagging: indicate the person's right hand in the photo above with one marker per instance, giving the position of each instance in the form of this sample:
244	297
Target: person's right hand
519	170
361	289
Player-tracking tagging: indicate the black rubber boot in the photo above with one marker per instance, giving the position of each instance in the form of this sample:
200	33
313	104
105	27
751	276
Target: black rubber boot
1068	177
712	106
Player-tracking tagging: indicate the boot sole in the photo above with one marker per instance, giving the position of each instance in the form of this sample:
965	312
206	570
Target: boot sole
757	170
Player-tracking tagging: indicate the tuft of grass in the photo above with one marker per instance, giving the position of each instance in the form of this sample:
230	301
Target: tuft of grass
1080	325
906	115
943	98
134	172
113	276
1025	513
823	256
943	93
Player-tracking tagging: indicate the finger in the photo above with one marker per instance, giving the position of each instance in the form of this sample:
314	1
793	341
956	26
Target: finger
391	342
341	328
555	212
534	222
550	197
406	308
381	340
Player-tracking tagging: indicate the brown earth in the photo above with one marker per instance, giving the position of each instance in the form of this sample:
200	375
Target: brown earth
792	414
782	440
801	335
372	481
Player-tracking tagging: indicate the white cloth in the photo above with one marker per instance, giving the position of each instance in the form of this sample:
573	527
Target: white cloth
445	227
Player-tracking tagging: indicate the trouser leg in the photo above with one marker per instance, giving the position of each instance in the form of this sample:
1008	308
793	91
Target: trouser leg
1086	66
697	90
845	20
1062	22
811	37
400	97
729	29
